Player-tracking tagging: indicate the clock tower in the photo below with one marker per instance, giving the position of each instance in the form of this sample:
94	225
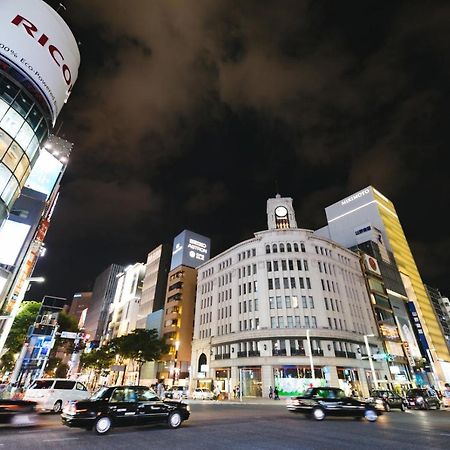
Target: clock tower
280	213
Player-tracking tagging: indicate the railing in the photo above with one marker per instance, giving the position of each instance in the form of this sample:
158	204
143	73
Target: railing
225	356
253	353
317	352
281	352
340	354
218	356
242	354
351	355
298	352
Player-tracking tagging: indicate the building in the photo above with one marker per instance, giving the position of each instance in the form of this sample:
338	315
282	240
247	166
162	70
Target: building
80	303
441	307
367	216
37	73
286	308
188	252
96	321
123	313
154	284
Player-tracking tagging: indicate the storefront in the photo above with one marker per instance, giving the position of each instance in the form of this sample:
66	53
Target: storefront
294	380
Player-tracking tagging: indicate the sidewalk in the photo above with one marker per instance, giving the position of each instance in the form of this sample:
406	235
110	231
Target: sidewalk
246	401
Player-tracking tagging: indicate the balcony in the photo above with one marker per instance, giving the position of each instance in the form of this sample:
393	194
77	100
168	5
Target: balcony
242	354
225	356
340	354
298	352
218	357
253	353
317	352
279	352
351	355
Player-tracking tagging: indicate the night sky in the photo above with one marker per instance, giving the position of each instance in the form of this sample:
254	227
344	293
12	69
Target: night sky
190	114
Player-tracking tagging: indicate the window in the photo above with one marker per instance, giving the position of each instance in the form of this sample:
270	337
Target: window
287	300
326	303
291	264
145	395
256	305
292	283
273	322
275	266
269	266
254	269
244	305
307	322
63	384
302	283
302	247
305	264
289	248
294	301
253	251
281	248
80	387
267	249
277	283
304	301
280	322
311	302
270	284
299	264
255	286
332	304
308	283
271	303
295	247
250	306
283	264
329	323
320	267
274	248
290	322
313	322
279	302
286	283
297	321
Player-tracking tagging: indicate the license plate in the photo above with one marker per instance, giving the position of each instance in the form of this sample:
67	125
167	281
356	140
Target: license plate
411	403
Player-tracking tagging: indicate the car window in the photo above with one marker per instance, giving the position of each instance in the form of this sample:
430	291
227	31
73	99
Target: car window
123	395
80	387
100	394
146	395
325	393
64	384
42	384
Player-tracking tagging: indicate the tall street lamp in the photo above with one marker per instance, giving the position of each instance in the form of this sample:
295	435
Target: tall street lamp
9	319
369	355
308	342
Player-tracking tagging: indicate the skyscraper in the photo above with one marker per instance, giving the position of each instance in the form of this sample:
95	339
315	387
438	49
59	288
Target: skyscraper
369	215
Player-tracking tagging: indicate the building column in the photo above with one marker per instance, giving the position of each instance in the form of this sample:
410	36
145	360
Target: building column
267	380
234	377
363	379
332	376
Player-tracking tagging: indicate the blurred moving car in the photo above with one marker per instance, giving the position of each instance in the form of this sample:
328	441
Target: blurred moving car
422	399
446	398
177	392
328	401
202	394
17	413
123	405
51	394
386	400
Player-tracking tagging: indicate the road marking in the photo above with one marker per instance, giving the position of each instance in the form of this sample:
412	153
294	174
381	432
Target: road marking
444	434
61	439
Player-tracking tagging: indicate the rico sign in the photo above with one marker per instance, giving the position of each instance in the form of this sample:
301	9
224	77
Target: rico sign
37	42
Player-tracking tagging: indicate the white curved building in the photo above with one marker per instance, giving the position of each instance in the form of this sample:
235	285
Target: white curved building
287	309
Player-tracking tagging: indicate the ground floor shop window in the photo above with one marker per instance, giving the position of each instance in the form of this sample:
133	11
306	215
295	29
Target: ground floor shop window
251	384
295	380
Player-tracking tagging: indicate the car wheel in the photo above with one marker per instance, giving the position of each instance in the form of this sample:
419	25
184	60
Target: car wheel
387	408
174	420
318	413
371	415
57	407
102	425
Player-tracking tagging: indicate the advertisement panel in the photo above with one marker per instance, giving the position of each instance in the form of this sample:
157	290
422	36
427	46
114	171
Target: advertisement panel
44	174
36	41
190	249
12	237
371	264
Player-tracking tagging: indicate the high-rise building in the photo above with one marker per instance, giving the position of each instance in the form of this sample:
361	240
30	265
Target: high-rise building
285	308
440	310
102	297
366	216
39	62
80	302
188	252
154	284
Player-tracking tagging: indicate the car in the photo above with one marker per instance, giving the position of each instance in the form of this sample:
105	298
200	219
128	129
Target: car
202	394
319	402
17	413
177	392
422	398
446	398
51	394
386	400
121	406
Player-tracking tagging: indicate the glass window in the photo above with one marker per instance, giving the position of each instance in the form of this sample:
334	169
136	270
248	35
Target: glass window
275	266
281	248
283	264
302	247
291	264
279	302
5	142
42	131
280	322
306	321
304	301
273	322
302	283
8	91
271	303
313	322
25	135
42	384
22	104
80	387
297	321
22	168
292	283
269	266
290	322
311	302
32	148
305	264
308	283
267	249
11	122
64	384
274	248
5	175
295	247
286	283
277	283
287	299
299	264
10	190
3	108
294	301
289	248
270	281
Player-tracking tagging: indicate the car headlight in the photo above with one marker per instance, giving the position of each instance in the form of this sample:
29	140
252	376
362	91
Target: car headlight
419	399
188	407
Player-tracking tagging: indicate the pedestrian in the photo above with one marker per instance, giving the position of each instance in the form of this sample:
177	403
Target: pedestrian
270	392
234	392
160	391
217	392
238	391
276	394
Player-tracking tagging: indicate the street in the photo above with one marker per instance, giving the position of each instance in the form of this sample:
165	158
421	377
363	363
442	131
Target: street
251	425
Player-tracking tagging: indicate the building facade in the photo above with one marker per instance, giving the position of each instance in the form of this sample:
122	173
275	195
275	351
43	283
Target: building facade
440	306
368	215
286	308
80	302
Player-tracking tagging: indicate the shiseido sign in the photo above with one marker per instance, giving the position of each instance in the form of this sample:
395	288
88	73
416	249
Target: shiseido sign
36	41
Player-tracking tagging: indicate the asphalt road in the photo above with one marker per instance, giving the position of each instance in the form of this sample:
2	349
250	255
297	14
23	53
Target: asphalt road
234	426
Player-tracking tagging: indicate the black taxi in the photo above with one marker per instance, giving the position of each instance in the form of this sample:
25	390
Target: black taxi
121	406
319	402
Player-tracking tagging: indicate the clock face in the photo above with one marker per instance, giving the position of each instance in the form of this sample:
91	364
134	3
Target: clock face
281	211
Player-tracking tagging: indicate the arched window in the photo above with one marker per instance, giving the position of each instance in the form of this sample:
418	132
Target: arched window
202	361
281	248
267	248
295	247
289	248
302	247
274	248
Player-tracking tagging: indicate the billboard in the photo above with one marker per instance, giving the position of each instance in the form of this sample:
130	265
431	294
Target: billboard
44	174
190	249
37	42
12	237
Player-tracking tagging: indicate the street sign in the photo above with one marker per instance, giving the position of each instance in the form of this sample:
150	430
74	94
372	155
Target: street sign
379	356
68	335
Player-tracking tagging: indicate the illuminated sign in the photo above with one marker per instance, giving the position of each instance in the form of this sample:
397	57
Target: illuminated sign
190	249
45	173
12	237
37	42
371	264
355	196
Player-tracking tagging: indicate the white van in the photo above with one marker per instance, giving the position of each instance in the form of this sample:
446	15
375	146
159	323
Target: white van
51	394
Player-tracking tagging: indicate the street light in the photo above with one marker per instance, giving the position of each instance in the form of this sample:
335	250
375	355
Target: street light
9	320
308	341
369	355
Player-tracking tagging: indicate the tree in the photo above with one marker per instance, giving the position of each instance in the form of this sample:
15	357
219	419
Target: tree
99	360
140	346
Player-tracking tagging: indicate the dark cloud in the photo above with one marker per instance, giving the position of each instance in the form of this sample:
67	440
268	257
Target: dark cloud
190	114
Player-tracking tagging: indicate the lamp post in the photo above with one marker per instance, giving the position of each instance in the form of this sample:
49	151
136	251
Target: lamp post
175	368
369	355
9	319
308	341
